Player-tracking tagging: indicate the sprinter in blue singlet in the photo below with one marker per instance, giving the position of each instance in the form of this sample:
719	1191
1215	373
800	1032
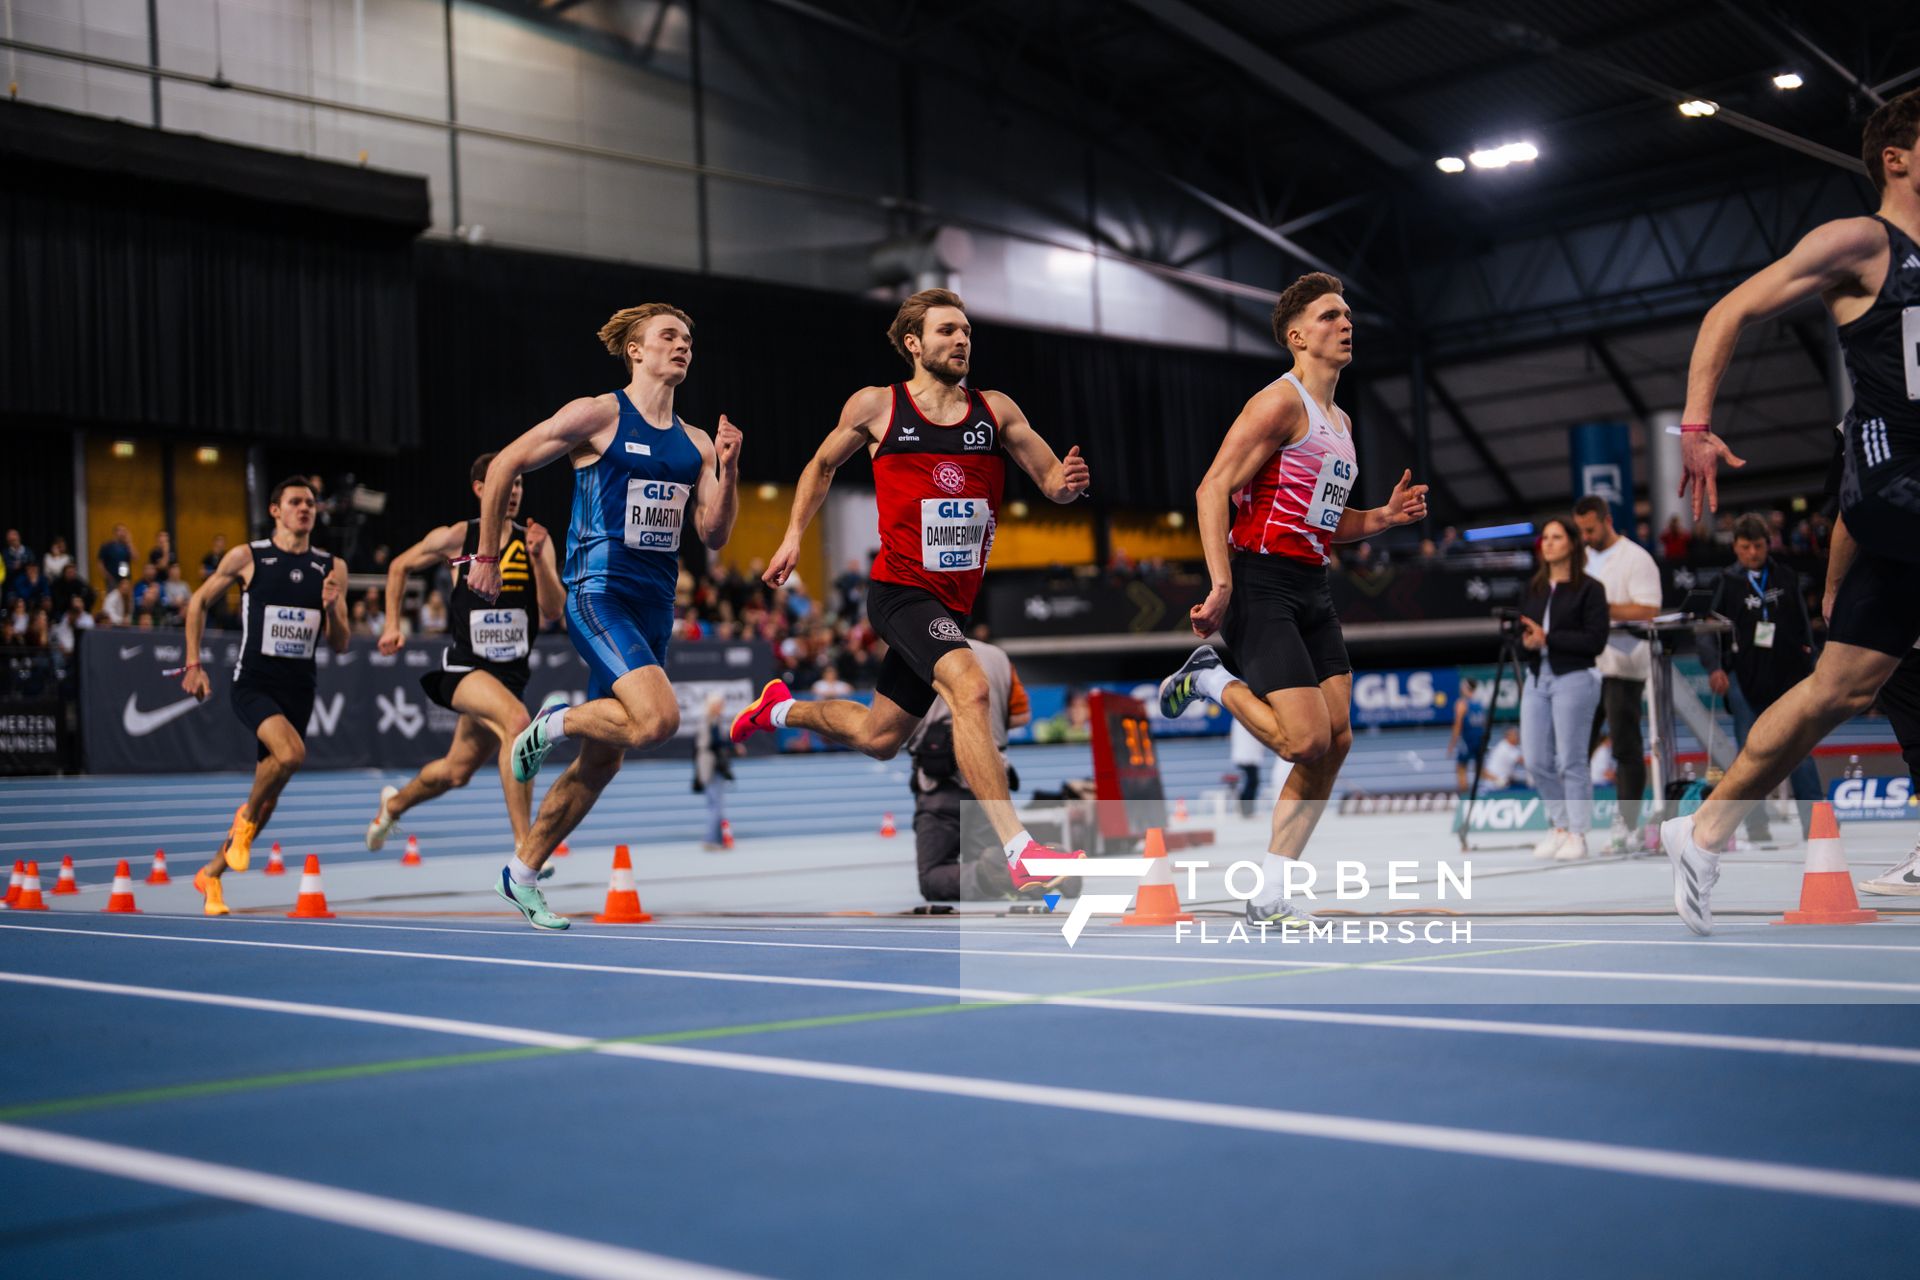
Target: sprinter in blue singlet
640	475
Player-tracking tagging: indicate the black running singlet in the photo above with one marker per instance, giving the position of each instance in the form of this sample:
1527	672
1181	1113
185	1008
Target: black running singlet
493	633
1882	350
281	615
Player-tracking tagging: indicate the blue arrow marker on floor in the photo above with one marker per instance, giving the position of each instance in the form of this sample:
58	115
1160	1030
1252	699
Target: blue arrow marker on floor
1053	900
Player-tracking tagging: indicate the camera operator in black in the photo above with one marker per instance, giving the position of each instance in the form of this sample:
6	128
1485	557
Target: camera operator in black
940	794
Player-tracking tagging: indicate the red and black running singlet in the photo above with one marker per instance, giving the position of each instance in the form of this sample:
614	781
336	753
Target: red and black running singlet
938	489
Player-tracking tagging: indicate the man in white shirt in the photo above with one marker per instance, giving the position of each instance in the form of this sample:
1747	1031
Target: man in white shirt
1632	581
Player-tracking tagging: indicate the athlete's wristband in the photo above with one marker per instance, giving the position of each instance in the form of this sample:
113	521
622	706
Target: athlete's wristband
475	560
1694	428
180	671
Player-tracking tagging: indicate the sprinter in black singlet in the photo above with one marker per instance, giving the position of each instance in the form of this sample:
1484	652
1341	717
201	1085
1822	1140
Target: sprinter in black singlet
483	675
1867	271
293	593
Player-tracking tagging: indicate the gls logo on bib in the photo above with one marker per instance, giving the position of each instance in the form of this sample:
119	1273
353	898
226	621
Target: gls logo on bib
655	510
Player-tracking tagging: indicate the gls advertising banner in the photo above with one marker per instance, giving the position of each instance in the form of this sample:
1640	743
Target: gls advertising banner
368	712
1421	696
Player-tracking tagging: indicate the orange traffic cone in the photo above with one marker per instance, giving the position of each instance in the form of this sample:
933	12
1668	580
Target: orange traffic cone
30	899
561	850
312	902
1826	887
159	873
1180	809
886	826
16	880
412	856
65	883
1158	902
274	867
120	902
623	900
726	834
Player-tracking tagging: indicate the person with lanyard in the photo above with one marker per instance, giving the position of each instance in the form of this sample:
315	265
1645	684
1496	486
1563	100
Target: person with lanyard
1563	627
293	592
1769	651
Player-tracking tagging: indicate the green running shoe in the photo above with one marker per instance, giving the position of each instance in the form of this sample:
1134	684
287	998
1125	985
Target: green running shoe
530	902
531	747
1177	691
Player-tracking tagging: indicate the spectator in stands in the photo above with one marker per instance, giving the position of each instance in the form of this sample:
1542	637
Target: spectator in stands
376	602
39	633
1450	544
176	593
850	591
162	554
117	609
1505	763
1428	550
1632	583
1564	629
1769	650
433	614
1776	531
73	620
70	586
116	556
28	585
149	593
358	622
55	562
1674	540
18	617
16	554
211	561
830	685
145	622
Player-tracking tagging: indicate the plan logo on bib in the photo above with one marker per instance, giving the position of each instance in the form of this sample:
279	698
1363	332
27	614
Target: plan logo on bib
950	477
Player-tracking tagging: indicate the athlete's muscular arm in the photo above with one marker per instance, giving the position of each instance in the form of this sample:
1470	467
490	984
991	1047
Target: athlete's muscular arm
333	599
1407	504
1270	421
1830	257
1061	479
860	421
549	596
436	548
231	569
578	422
717	500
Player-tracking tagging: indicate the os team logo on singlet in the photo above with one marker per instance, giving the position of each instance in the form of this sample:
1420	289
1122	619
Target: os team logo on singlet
950	477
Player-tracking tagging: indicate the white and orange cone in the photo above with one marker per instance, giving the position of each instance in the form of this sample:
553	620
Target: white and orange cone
66	883
412	856
30	899
726	834
1180	809
886	826
120	901
159	873
1158	902
1826	887
623	900
312	902
15	881
274	867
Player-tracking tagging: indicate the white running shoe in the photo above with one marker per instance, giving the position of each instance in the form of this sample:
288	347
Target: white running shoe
1549	844
1619	836
1695	871
1902	881
382	826
1572	847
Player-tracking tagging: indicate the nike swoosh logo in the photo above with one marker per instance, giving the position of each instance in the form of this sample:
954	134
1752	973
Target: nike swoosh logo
126	653
139	724
1911	878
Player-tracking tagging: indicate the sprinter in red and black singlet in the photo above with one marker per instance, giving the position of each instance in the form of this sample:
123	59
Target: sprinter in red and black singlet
483	673
294	596
1271	507
939	453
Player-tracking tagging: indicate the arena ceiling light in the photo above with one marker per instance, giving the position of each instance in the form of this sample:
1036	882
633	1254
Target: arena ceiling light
1502	156
1450	164
1788	80
1698	108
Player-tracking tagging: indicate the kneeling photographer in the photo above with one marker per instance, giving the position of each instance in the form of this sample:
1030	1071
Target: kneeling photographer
940	795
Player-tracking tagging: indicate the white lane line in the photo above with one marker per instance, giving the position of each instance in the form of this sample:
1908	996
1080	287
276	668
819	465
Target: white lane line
1444	1139
1709	979
404	1220
1885	1054
1722	944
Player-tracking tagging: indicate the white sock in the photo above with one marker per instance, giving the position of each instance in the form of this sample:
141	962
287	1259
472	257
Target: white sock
1212	683
556	730
1018	845
1274	868
779	713
521	872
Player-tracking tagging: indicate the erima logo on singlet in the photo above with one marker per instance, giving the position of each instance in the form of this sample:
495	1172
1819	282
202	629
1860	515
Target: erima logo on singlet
269	559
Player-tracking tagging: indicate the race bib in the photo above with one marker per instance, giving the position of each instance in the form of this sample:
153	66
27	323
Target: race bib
655	509
1330	490
289	633
498	635
953	534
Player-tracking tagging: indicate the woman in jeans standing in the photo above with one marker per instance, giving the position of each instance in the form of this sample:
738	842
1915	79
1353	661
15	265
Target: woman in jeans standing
1564	627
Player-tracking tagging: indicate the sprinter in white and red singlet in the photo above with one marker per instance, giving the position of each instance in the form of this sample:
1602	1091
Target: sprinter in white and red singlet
1270	508
939	453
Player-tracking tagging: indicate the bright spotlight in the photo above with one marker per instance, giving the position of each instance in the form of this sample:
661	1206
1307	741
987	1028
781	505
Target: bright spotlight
1450	164
1788	80
1698	108
1502	156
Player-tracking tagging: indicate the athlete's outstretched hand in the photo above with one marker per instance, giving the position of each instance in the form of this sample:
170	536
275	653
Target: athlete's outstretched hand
392	639
483	577
536	537
726	446
194	681
1701	453
781	566
1409	501
1209	613
1073	472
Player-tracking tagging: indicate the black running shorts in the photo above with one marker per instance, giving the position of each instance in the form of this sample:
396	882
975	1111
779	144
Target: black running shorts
439	685
919	631
1280	630
1878	605
255	704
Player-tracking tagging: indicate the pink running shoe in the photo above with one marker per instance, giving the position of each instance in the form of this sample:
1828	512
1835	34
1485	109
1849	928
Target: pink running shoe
758	717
